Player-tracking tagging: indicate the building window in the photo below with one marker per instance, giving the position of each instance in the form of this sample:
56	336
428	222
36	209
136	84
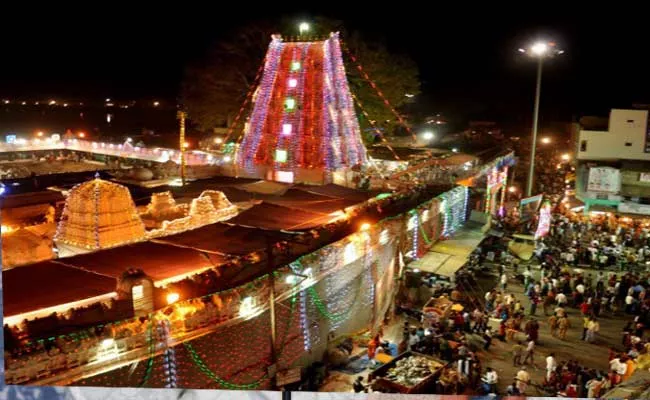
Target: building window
583	145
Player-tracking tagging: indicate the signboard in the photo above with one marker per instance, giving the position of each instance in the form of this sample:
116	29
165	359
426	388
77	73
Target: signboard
634	208
544	225
529	207
604	179
287	376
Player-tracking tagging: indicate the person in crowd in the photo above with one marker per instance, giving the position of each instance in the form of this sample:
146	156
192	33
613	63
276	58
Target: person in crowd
359	386
512	389
530	352
551	365
491	379
593	327
523	379
563	325
552	324
517	352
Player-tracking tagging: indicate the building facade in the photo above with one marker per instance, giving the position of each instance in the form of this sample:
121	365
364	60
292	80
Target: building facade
613	166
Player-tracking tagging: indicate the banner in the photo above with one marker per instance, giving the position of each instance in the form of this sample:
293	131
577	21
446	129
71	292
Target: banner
604	179
544	225
529	206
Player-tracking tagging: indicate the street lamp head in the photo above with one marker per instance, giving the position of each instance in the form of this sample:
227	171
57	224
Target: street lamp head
539	48
428	135
303	27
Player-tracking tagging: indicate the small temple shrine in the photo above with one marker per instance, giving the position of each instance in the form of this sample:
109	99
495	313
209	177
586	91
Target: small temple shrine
98	214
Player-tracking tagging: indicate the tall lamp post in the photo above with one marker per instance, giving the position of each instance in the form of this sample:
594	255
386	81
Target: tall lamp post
539	50
181	116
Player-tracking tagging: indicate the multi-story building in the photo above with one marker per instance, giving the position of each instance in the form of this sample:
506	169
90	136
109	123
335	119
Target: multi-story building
613	166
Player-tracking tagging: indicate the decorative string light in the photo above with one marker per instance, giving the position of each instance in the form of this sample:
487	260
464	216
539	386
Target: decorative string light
252	137
316	111
381	94
374	126
247	99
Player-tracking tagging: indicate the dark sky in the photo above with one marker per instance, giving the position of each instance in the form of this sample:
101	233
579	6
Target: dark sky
467	56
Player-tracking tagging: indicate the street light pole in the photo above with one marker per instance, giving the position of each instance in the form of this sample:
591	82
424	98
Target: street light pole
533	147
181	116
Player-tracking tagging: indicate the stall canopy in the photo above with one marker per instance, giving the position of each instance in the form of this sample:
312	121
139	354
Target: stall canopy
447	257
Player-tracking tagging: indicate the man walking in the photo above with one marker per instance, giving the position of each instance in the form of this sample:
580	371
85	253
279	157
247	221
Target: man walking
517	351
563	325
523	379
592	329
530	352
551	364
552	324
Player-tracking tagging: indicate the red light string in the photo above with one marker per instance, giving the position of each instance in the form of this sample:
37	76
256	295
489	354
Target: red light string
249	96
374	126
379	92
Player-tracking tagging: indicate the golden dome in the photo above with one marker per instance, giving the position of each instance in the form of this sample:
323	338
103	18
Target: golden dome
99	214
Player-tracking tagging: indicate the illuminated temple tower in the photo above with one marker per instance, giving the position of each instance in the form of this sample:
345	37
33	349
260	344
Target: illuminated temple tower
303	126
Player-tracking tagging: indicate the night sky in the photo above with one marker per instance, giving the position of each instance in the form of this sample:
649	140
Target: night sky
469	62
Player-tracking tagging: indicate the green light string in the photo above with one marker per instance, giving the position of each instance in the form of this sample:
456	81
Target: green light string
322	307
152	350
198	361
424	235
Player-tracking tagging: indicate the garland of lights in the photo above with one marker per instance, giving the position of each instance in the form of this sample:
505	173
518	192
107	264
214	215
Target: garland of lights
198	361
251	139
249	96
413	226
152	350
424	235
356	150
375	127
169	355
380	93
327	258
303	115
202	366
454	207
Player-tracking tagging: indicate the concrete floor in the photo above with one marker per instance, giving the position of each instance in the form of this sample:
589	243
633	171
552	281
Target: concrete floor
588	355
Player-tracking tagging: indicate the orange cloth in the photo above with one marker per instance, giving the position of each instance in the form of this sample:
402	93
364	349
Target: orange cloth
631	366
383	358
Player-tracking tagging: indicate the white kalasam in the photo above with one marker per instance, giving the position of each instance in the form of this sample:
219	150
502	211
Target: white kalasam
99	214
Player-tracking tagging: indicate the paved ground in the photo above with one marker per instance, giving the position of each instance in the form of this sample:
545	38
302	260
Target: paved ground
499	355
594	355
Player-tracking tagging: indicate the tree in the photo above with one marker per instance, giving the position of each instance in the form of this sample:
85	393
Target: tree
215	87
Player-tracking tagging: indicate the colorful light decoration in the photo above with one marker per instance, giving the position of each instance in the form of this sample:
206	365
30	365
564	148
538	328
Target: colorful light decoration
290	104
495	180
303	95
544	225
281	156
346	291
454	207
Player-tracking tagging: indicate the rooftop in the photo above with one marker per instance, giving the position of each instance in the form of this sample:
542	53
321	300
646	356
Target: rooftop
292	208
